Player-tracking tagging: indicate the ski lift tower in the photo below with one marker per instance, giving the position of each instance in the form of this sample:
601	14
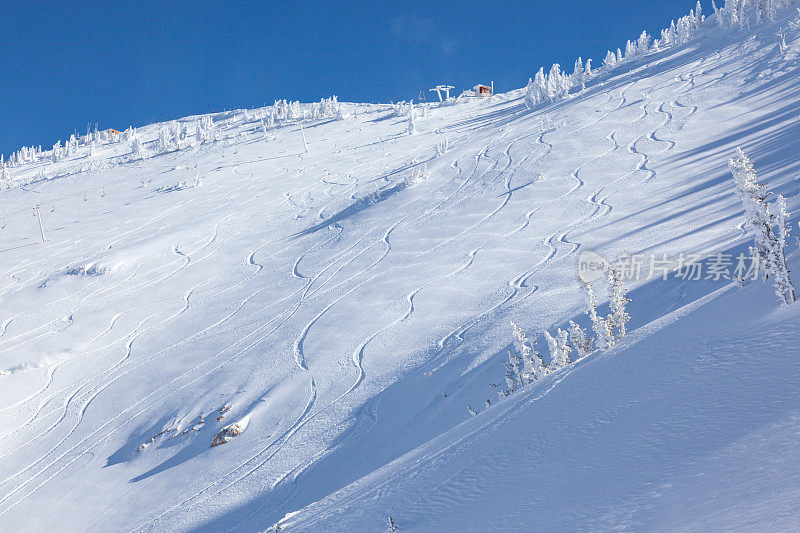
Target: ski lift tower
445	88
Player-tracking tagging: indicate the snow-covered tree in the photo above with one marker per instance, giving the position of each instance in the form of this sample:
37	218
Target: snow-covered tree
540	82
166	141
552	346
560	349
578	77
630	50
514	378
698	15
5	175
782	46
643	43
579	340
412	122
618	301
765	10
331	108
610	60
604	337
295	112
784	287
736	11
719	16
557	86
770	229
530	94
533	366
137	148
685	29
669	36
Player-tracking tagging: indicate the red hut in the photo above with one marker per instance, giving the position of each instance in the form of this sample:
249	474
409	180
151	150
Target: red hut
482	90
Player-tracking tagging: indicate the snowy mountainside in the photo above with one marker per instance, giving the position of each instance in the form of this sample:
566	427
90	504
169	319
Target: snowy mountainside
257	323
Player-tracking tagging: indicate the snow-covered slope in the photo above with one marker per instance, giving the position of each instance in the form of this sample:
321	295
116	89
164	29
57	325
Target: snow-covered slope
325	317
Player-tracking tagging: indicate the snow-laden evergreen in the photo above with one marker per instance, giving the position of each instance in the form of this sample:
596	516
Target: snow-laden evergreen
618	301
412	119
770	229
560	349
580	340
604	336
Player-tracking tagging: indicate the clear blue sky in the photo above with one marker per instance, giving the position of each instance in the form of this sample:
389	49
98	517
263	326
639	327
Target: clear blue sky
63	64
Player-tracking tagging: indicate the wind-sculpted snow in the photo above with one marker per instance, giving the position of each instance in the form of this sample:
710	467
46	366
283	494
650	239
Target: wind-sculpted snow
220	334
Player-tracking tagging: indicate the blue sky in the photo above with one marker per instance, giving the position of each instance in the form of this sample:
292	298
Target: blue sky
65	64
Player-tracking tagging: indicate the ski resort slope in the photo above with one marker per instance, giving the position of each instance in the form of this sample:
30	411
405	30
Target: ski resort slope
324	316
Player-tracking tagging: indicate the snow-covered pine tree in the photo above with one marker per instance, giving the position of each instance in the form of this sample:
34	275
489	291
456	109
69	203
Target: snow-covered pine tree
530	94
671	34
164	142
656	46
737	12
610	60
767	227
552	346
784	287
604	338
763	7
630	50
685	30
564	349
579	340
56	154
719	16
295	111
514	378
560	349
782	46
643	43
578	79
554	83
618	301
137	148
587	71
540	82
412	123
533	366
